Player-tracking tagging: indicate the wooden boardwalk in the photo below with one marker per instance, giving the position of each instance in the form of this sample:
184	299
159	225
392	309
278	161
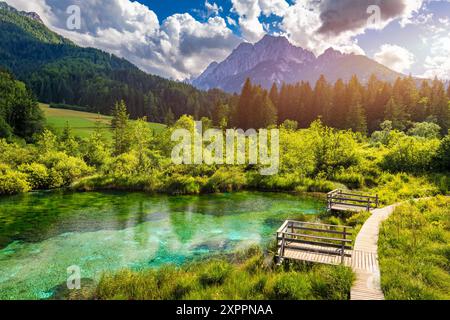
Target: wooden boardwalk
343	200
313	253
365	258
300	241
314	242
362	257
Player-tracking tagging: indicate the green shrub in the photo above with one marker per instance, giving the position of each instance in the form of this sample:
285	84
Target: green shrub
411	154
37	175
181	184
442	158
63	169
226	180
13	182
124	164
319	185
350	178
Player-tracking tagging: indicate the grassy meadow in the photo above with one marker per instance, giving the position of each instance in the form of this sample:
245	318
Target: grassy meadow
82	123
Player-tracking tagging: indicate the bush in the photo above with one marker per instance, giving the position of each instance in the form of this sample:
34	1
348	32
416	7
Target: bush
350	178
428	130
13	182
124	164
181	184
411	154
319	185
442	158
37	175
63	169
226	180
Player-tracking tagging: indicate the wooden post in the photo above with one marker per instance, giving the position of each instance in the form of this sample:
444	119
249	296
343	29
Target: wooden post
368	204
282	246
377	201
343	246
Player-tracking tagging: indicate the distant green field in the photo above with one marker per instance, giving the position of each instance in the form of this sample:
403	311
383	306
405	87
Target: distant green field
83	123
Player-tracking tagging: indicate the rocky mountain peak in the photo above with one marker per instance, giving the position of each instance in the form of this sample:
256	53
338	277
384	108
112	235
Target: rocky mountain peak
274	59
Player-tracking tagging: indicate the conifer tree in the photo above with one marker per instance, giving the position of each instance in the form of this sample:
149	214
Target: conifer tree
323	100
273	95
440	105
340	107
120	126
268	113
244	105
396	114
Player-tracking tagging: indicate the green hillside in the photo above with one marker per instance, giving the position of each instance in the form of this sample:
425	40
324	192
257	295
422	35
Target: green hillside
58	71
83	123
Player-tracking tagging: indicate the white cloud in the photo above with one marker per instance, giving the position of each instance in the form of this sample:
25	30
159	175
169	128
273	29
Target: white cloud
275	7
317	25
178	48
212	8
231	21
438	63
395	57
181	47
249	11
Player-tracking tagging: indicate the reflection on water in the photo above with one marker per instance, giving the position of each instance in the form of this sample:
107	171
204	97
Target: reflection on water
42	234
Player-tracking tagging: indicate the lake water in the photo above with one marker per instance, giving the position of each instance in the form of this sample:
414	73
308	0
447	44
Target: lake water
42	234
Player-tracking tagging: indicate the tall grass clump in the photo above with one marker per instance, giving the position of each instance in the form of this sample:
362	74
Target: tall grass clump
415	252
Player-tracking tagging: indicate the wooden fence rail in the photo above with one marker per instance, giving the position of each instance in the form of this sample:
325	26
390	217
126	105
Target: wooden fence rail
314	242
351	201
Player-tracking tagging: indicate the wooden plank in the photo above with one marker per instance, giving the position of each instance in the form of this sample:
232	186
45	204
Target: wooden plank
317	237
323	230
320	224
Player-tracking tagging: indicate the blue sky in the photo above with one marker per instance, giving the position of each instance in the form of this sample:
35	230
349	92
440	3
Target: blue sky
179	38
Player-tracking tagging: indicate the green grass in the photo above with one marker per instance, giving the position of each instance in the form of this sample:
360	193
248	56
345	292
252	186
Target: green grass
83	123
414	249
247	275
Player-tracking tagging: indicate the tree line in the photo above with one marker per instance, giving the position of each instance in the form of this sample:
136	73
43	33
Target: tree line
352	105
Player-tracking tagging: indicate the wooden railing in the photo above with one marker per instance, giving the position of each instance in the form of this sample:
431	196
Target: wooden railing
314	237
351	199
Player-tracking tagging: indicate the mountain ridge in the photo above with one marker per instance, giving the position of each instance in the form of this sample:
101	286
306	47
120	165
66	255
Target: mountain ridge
275	60
31	15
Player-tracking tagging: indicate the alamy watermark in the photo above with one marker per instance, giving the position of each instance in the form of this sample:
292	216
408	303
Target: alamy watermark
375	15
235	147
74	278
73	22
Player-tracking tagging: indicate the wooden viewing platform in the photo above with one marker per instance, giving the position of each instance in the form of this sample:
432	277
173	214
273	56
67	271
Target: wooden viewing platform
314	242
340	200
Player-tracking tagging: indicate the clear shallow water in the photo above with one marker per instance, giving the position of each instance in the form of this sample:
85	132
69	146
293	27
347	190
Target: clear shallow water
41	234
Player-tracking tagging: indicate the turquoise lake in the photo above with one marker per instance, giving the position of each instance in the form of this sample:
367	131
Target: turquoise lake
42	234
